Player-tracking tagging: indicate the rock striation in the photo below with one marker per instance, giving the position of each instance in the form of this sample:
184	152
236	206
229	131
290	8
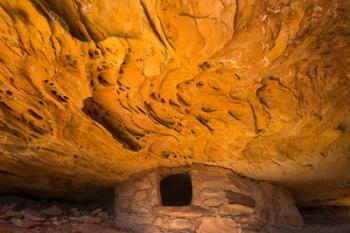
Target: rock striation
92	92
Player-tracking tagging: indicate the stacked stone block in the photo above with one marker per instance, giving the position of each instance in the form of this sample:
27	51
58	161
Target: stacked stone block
222	202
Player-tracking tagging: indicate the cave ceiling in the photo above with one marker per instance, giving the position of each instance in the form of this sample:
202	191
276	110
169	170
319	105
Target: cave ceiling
92	92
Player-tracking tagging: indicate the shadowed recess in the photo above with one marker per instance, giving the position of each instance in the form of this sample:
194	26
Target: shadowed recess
176	190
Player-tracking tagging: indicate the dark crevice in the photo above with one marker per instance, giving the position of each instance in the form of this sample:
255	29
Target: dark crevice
152	24
204	122
112	124
2	172
34	114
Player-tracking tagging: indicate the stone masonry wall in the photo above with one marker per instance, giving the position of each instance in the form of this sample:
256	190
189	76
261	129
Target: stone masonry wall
222	202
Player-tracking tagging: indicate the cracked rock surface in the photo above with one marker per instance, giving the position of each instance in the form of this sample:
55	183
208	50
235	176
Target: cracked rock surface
92	92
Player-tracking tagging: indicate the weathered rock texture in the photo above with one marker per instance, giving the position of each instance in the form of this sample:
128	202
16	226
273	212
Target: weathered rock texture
222	202
94	91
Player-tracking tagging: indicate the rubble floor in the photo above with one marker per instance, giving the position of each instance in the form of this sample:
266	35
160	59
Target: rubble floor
98	217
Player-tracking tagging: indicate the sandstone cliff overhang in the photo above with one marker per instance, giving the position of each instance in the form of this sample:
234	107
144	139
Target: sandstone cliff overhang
92	92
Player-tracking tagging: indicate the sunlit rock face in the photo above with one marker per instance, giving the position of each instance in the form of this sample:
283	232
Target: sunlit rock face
92	92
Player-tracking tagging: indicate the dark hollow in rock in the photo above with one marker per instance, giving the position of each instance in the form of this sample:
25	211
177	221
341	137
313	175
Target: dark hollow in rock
176	190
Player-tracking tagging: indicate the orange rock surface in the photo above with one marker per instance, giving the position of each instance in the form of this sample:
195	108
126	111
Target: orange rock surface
92	92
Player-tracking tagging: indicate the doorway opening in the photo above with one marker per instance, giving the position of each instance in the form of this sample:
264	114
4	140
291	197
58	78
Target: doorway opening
176	190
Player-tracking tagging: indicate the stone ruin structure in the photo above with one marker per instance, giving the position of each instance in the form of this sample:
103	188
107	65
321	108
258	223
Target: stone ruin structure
202	199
